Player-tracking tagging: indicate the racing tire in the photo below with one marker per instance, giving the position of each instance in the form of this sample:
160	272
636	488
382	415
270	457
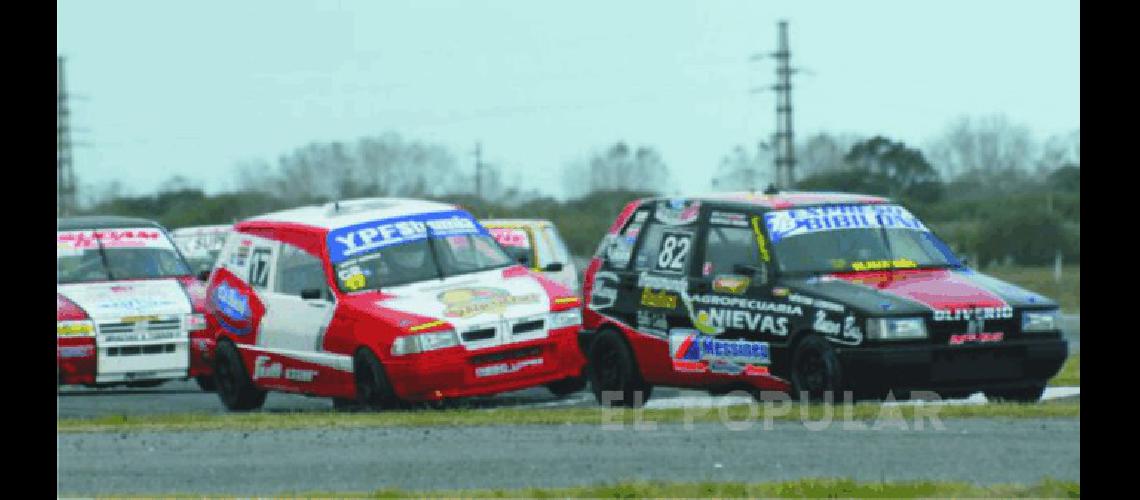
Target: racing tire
816	370
234	387
1027	394
614	369
566	386
206	383
373	390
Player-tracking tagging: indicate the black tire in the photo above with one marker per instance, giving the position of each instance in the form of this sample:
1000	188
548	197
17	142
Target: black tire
146	383
345	405
1027	394
816	370
567	386
206	383
373	390
613	368
234	387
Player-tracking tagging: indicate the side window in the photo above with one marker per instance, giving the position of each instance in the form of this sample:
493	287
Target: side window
665	249
297	270
561	254
728	246
618	248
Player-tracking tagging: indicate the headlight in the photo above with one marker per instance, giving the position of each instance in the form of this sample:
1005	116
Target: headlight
563	319
1041	321
896	328
83	328
195	322
412	344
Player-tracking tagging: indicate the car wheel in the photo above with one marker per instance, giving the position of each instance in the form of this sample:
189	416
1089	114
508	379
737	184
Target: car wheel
234	387
206	383
613	369
345	405
1027	394
373	390
566	386
815	370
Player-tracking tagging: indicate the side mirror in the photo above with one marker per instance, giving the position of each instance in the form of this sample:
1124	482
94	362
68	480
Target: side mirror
553	267
311	293
204	275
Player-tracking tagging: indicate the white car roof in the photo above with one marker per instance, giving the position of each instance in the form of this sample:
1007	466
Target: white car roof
343	213
515	222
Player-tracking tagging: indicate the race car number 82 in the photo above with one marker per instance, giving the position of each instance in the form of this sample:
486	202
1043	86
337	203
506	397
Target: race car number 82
674	252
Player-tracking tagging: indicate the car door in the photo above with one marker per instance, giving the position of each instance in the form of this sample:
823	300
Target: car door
662	266
293	322
614	287
732	295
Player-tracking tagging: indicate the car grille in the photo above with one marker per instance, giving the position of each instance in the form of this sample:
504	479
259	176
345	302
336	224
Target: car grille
506	355
155	329
528	326
480	334
139	350
940	331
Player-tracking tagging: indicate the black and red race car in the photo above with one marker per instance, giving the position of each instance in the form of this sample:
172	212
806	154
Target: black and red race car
816	293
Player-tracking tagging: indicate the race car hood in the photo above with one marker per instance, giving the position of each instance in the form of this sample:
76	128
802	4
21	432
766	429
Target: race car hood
471	299
917	291
107	301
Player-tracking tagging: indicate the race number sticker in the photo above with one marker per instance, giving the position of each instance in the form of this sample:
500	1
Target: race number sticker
259	270
674	252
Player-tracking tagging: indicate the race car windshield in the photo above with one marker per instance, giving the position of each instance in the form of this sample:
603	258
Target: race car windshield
115	255
405	250
853	238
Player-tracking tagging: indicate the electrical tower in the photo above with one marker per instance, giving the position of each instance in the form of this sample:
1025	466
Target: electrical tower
785	140
65	169
479	170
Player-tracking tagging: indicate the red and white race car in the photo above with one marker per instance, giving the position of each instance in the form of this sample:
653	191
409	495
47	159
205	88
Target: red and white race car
379	302
128	310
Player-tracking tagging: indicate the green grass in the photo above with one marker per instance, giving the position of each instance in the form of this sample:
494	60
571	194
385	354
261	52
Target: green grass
1070	373
801	488
1040	280
554	416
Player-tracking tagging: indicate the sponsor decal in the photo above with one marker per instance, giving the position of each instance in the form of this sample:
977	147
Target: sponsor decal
264	368
353	240
976	337
678	211
875	265
973	313
825	326
689	349
137	319
814	302
731	283
112	238
653	323
746	303
510	237
566	300
473	301
425	326
76	351
799	221
661	299
604	293
760	243
737	319
728	219
504	368
233	304
676	285
779	291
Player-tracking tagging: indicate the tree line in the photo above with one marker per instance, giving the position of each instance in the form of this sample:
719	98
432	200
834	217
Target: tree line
985	185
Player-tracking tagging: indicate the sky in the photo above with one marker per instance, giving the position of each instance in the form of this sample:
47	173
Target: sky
194	88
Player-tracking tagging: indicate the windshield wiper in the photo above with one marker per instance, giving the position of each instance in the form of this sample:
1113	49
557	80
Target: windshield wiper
103	255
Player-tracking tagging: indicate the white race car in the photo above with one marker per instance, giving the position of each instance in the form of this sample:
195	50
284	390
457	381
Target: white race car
201	246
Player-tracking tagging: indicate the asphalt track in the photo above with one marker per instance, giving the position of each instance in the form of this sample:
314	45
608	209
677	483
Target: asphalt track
982	451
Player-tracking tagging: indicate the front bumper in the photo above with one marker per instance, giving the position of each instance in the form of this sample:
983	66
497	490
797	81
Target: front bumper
457	372
943	367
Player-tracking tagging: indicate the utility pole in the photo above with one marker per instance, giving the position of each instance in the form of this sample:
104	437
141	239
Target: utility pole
785	145
65	169
479	170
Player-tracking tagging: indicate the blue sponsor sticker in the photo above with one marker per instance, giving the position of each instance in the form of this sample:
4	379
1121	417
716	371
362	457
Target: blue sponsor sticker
799	221
234	308
693	346
347	242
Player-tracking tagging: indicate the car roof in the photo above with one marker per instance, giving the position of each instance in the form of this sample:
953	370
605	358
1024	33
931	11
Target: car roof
199	230
343	213
514	222
86	222
780	200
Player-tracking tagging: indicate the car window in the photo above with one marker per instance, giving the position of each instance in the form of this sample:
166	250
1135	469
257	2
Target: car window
544	249
561	253
516	241
116	254
728	246
617	249
665	249
298	270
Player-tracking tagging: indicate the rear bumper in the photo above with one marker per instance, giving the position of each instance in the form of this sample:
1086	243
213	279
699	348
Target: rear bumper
953	367
84	361
457	372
